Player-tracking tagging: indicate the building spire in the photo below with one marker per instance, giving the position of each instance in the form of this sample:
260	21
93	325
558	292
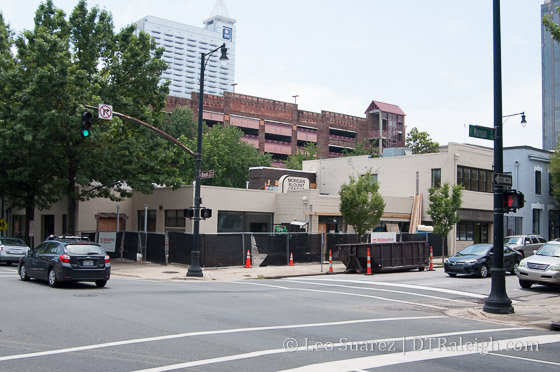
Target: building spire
219	10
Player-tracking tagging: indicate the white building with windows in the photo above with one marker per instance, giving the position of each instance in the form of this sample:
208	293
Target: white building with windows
183	46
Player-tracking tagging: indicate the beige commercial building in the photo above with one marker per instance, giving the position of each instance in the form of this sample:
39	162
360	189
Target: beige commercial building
401	179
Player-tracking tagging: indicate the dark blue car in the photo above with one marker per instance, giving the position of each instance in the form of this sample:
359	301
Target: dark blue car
477	260
66	260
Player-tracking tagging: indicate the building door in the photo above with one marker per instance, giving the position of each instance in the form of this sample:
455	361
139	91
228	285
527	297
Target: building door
47	225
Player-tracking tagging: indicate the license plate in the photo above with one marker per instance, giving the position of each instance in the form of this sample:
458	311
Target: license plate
88	263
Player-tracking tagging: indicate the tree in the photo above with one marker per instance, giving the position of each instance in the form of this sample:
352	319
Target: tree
360	203
552	27
420	142
554	168
364	147
443	209
60	65
309	152
226	153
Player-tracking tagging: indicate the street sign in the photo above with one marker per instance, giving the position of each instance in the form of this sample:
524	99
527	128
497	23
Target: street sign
503	179
105	112
207	174
477	131
3	224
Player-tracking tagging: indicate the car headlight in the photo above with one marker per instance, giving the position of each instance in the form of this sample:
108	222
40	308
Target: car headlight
471	261
553	268
447	261
523	263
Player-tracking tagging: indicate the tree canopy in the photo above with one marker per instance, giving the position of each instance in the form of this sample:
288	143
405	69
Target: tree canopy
420	142
443	208
309	151
60	65
552	27
360	203
364	147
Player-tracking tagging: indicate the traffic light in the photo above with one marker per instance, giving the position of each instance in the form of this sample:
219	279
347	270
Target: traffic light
189	213
86	123
205	213
513	200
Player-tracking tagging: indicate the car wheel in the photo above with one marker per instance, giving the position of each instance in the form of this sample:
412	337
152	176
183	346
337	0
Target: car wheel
514	268
451	274
23	273
483	271
525	284
53	282
100	283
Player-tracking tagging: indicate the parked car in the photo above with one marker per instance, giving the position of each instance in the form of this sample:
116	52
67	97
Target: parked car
12	249
541	268
525	244
66	260
477	260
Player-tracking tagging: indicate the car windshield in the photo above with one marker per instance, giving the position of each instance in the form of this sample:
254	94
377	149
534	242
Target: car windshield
11	241
84	249
476	249
513	240
552	250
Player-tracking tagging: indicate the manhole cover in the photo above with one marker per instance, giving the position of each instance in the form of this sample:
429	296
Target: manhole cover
170	272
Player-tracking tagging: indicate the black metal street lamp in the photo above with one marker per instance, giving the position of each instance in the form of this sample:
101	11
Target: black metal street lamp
498	301
194	268
523	118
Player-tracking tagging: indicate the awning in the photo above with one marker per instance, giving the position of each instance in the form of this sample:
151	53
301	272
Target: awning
298	223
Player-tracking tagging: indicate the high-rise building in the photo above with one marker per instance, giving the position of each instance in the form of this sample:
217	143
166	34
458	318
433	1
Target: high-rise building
550	78
183	46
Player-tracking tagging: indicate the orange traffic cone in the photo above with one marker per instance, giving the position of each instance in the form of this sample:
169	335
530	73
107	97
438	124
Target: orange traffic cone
330	272
368	263
248	260
431	259
291	259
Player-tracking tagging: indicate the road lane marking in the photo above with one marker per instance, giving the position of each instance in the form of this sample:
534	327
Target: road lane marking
411	286
385	360
525	359
314	347
347	294
384	290
208	333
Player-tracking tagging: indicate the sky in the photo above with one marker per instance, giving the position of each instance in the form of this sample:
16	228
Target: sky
432	58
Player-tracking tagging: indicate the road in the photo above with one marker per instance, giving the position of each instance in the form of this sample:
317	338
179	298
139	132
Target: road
338	322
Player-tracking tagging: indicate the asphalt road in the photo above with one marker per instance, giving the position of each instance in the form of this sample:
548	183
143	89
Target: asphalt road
339	322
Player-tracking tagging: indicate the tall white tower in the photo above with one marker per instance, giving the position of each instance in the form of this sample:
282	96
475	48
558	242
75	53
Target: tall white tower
183	45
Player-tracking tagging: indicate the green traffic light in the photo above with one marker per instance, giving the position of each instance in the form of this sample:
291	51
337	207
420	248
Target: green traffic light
85	133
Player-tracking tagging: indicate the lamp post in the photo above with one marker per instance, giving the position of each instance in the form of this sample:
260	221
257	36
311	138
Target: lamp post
194	268
498	301
523	118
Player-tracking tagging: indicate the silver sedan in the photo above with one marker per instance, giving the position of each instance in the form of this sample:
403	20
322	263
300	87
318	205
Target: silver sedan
541	268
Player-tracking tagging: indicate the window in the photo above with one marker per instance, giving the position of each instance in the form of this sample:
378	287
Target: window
474	179
174	218
436	177
536	221
473	231
538	176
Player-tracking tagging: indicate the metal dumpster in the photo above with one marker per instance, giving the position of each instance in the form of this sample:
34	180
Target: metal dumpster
384	256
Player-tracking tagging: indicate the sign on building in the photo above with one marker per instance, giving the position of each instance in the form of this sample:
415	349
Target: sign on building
108	240
291	183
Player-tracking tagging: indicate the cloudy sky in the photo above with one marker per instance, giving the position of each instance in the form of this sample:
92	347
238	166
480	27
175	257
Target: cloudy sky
433	58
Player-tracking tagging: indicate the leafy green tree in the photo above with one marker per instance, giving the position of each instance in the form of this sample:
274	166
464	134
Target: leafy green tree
420	142
309	151
365	147
226	153
360	203
60	65
552	27
443	209
554	168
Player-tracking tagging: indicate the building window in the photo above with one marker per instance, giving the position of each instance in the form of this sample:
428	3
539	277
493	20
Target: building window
550	185
472	231
474	179
513	225
175	218
538	179
537	221
151	220
436	178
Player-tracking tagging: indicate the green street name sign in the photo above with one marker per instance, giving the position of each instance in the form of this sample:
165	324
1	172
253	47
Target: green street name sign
477	131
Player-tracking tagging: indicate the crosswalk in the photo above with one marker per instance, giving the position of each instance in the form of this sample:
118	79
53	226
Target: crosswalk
8	272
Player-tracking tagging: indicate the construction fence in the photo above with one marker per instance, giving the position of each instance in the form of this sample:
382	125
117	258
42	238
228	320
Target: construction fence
222	250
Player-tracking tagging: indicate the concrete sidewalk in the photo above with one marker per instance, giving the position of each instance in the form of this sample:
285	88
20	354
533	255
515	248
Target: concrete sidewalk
540	313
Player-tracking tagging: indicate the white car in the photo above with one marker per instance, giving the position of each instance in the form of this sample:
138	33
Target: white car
12	249
541	268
